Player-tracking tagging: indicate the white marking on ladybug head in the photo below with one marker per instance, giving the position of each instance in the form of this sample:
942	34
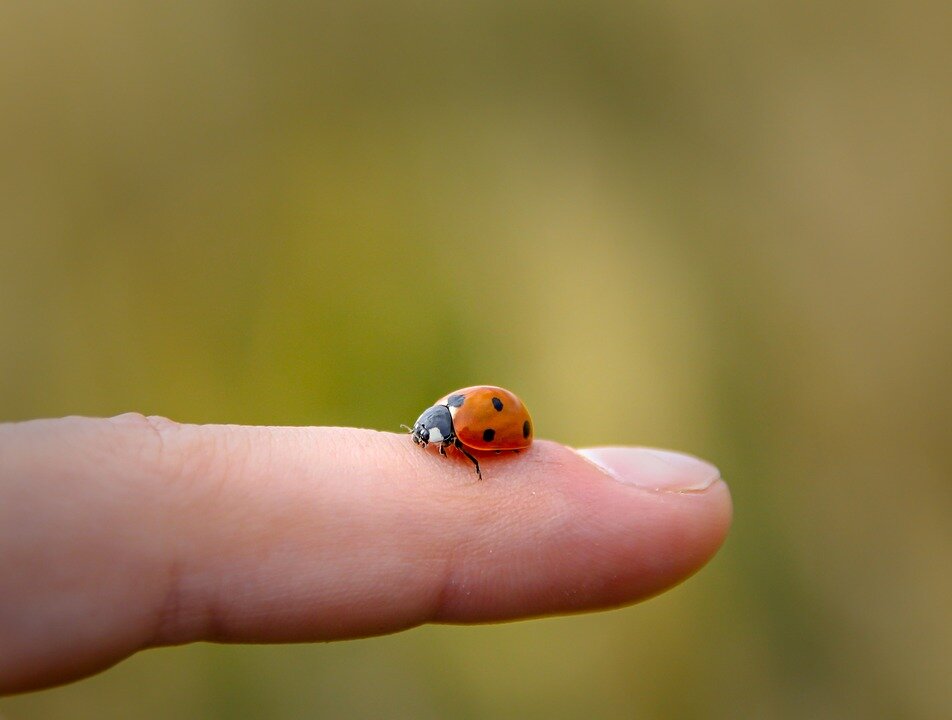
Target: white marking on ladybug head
435	435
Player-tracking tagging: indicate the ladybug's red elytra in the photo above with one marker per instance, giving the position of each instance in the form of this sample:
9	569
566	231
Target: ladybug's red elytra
482	417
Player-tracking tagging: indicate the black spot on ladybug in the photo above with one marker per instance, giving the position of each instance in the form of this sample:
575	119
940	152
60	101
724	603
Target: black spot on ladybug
526	429
497	403
455	400
488	435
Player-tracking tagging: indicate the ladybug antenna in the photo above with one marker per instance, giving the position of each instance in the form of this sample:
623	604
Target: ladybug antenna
408	429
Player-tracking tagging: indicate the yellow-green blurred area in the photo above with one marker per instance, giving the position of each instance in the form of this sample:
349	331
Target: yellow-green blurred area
724	228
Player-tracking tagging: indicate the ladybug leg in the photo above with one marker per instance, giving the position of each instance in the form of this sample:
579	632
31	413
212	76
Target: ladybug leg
459	446
445	444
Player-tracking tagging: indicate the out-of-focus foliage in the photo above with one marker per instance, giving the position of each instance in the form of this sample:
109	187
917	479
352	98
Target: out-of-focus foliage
718	227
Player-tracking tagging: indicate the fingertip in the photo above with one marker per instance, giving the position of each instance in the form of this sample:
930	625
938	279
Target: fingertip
565	534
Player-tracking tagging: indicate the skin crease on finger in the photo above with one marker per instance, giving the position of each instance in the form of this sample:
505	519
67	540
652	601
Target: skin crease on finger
152	533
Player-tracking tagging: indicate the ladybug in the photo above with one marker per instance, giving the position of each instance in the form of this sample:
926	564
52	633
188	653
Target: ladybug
483	417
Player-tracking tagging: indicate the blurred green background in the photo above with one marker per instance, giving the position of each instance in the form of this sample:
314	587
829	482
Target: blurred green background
724	228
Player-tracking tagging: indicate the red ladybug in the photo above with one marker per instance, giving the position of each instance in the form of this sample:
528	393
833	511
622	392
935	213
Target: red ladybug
484	417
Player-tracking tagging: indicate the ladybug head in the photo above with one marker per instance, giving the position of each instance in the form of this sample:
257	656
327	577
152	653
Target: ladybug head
420	435
434	425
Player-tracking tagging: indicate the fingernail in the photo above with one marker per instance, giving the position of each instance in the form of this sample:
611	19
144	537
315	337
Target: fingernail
658	470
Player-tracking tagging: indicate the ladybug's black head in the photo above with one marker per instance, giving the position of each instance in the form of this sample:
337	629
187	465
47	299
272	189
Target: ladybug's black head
420	435
434	425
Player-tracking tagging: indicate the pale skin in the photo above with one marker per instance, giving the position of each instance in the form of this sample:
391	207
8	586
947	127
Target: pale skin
121	534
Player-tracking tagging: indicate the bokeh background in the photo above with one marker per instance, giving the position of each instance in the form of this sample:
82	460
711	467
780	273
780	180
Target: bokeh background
724	228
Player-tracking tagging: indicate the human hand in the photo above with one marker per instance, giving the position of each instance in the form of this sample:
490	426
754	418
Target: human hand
127	533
